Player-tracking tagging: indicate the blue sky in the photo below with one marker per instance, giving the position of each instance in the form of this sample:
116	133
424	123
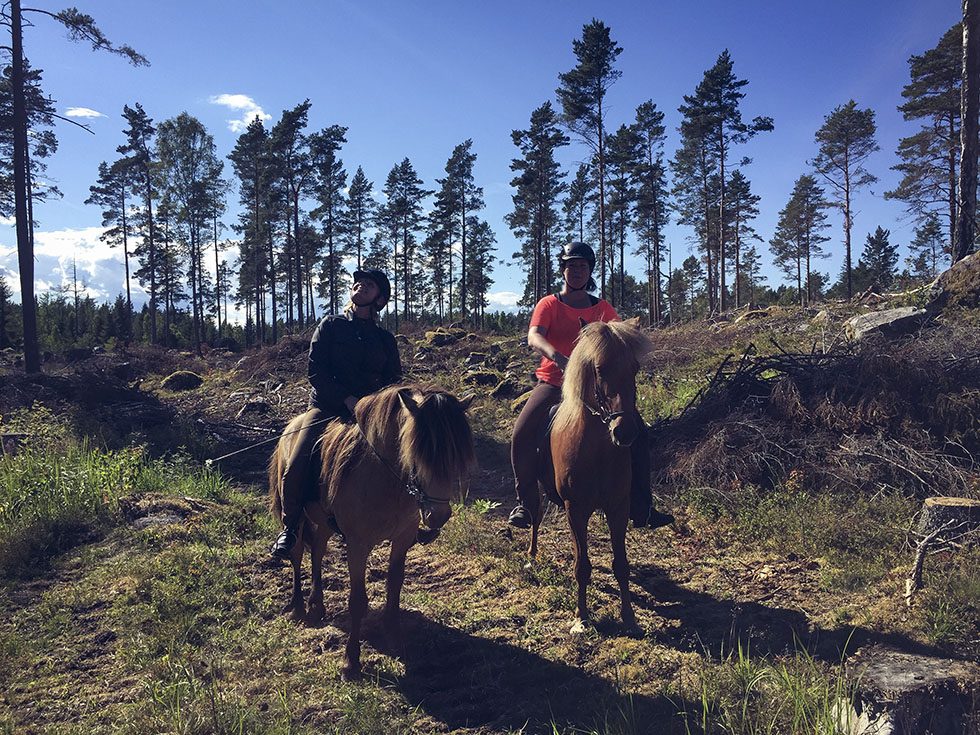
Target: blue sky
416	78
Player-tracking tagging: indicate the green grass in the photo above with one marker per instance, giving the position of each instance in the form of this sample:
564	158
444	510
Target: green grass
790	695
56	489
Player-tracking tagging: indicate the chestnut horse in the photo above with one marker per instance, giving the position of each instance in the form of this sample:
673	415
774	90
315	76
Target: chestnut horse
404	457
590	439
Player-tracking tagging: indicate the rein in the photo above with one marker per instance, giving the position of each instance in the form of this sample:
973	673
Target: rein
411	486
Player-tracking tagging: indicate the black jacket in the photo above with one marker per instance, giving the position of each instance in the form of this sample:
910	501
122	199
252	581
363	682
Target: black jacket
350	357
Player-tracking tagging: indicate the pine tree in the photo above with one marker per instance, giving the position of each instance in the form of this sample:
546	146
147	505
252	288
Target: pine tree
742	208
252	162
190	180
537	186
876	267
80	27
401	218
652	202
576	202
927	251
139	162
930	157
360	213
111	193
966	224
462	198
294	169
331	179
796	242
846	140
721	94
624	154
582	93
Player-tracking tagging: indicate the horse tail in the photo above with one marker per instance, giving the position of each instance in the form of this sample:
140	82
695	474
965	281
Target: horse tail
277	465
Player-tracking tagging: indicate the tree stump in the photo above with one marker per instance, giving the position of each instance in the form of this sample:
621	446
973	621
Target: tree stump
952	517
944	522
900	693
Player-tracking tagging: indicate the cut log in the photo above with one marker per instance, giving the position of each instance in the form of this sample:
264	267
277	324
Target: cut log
901	693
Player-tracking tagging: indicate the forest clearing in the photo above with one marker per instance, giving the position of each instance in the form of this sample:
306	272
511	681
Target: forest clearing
141	598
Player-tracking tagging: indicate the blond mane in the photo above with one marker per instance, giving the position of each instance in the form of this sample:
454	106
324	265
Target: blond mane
596	342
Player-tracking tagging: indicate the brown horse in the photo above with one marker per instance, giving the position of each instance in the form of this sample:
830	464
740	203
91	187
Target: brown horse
590	439
404	457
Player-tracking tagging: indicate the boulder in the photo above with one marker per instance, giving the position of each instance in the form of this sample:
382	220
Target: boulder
752	315
957	287
890	323
182	380
485	378
475	358
441	337
506	388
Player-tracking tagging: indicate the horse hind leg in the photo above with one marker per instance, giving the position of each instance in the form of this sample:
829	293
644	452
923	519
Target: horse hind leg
319	532
295	607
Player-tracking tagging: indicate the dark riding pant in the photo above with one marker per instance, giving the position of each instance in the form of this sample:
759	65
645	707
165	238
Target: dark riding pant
300	475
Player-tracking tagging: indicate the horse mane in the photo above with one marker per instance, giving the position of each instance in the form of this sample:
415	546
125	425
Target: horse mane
597	341
414	428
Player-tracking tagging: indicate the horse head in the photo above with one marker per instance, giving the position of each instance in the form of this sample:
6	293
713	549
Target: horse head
601	375
435	448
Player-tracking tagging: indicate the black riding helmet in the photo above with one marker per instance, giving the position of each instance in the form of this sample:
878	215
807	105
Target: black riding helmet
573	250
379	278
576	250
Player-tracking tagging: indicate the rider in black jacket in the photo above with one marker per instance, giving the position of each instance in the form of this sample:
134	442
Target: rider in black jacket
350	357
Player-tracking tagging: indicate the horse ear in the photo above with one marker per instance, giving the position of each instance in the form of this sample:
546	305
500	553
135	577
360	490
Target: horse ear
405	396
581	322
634	321
467	401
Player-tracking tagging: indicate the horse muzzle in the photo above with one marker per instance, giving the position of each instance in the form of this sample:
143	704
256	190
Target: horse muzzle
623	431
435	515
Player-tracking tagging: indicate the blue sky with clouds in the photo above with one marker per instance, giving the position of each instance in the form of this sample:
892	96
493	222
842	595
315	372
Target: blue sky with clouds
416	78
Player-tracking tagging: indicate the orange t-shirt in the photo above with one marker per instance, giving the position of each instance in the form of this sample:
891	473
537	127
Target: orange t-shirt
562	323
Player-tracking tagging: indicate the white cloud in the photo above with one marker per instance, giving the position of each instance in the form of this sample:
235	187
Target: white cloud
249	108
82	112
504	299
9	221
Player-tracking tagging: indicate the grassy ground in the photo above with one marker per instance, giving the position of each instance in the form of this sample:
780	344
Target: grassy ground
136	595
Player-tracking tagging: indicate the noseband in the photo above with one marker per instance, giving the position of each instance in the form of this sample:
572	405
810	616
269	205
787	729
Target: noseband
602	410
411	485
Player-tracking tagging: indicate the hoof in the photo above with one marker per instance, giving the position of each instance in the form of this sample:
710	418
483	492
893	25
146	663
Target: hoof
315	614
350	673
297	614
580	627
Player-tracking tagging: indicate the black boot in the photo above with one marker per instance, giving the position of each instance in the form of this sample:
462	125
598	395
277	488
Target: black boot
654	519
427	535
519	517
283	546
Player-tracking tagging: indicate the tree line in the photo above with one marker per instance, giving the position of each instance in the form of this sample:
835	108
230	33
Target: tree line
302	223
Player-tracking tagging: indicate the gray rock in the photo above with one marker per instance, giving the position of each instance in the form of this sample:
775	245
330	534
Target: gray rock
890	323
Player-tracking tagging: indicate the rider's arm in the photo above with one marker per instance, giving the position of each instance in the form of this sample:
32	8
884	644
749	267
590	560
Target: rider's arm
537	340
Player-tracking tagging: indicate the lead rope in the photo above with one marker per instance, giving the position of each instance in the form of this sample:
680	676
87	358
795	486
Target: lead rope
209	463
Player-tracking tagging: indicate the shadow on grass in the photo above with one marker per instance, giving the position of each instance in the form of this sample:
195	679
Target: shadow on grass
465	681
713	626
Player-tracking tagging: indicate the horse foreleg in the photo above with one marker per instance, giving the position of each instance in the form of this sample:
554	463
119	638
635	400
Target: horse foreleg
532	550
579	525
393	588
621	565
357	605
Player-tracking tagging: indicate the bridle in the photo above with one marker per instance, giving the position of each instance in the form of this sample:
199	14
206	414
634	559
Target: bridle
602	410
411	485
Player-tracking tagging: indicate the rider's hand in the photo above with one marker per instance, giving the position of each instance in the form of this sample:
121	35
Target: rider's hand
561	361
